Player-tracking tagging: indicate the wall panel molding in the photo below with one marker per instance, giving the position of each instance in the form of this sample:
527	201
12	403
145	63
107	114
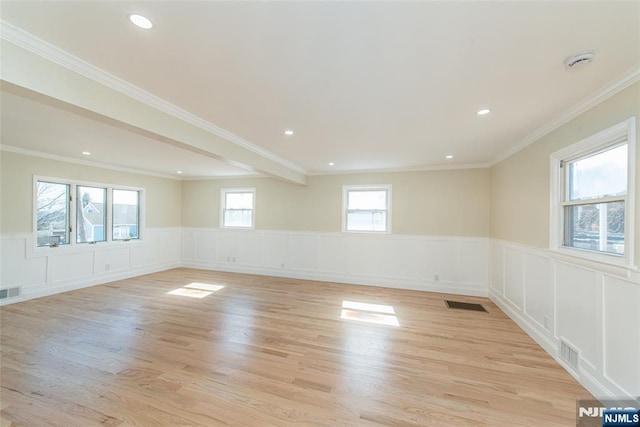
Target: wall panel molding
589	305
547	295
457	265
50	271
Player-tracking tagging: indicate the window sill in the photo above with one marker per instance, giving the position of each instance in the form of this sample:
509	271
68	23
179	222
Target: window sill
365	232
41	251
616	265
222	227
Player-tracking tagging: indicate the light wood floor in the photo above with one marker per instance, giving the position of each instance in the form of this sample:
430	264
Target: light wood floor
268	351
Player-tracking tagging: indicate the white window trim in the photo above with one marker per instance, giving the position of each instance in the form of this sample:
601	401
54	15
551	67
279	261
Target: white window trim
223	192
345	192
73	245
624	131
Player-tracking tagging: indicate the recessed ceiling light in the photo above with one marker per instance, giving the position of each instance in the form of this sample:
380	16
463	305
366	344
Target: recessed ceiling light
140	21
449	157
86	153
179	172
331	163
483	112
288	132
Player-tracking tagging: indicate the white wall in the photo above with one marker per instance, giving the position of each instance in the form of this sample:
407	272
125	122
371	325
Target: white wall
46	271
593	307
440	264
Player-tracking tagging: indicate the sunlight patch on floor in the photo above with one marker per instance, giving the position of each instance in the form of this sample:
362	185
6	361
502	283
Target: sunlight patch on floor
196	290
204	286
369	313
363	306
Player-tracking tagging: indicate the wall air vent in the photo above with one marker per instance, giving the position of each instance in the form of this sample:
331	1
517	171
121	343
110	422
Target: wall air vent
10	293
569	355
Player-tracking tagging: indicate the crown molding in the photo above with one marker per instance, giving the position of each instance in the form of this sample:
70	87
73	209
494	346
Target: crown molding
109	166
223	177
46	50
630	77
407	169
48	156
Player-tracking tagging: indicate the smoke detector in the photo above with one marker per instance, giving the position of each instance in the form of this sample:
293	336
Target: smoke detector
579	60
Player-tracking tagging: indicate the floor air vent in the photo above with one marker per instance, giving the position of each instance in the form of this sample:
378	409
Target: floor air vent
9	293
465	306
568	354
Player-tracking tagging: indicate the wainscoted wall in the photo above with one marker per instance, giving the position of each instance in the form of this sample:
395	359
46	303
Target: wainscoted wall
440	264
593	307
47	271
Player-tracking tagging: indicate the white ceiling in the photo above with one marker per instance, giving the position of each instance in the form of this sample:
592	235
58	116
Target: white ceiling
367	85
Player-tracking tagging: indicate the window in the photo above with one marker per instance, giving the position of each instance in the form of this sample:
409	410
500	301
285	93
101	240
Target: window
238	205
366	208
52	213
91	214
126	215
592	204
64	207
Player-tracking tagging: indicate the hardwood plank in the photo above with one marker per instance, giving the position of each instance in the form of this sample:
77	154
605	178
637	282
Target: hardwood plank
267	351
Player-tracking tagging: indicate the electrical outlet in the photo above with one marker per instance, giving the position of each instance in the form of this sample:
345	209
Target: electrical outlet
282	265
107	267
436	277
546	322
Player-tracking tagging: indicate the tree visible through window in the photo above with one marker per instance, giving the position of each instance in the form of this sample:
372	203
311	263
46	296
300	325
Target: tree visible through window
64	207
596	189
52	213
592	196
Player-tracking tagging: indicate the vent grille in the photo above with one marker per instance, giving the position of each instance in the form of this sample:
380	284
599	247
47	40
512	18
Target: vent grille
569	355
465	306
9	293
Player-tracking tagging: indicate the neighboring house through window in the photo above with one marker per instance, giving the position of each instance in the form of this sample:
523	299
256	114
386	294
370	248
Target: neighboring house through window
592	196
91	214
126	214
58	215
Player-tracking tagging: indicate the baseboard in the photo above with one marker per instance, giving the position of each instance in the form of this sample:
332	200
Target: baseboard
549	345
395	283
597	389
45	289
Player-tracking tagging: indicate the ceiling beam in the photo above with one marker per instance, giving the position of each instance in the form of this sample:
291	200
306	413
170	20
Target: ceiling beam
36	74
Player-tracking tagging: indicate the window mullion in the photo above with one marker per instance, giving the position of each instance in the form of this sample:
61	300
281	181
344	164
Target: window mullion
71	226
594	201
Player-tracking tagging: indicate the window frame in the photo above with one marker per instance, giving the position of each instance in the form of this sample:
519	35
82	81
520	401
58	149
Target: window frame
106	216
345	208
617	135
223	203
111	208
69	207
73	214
